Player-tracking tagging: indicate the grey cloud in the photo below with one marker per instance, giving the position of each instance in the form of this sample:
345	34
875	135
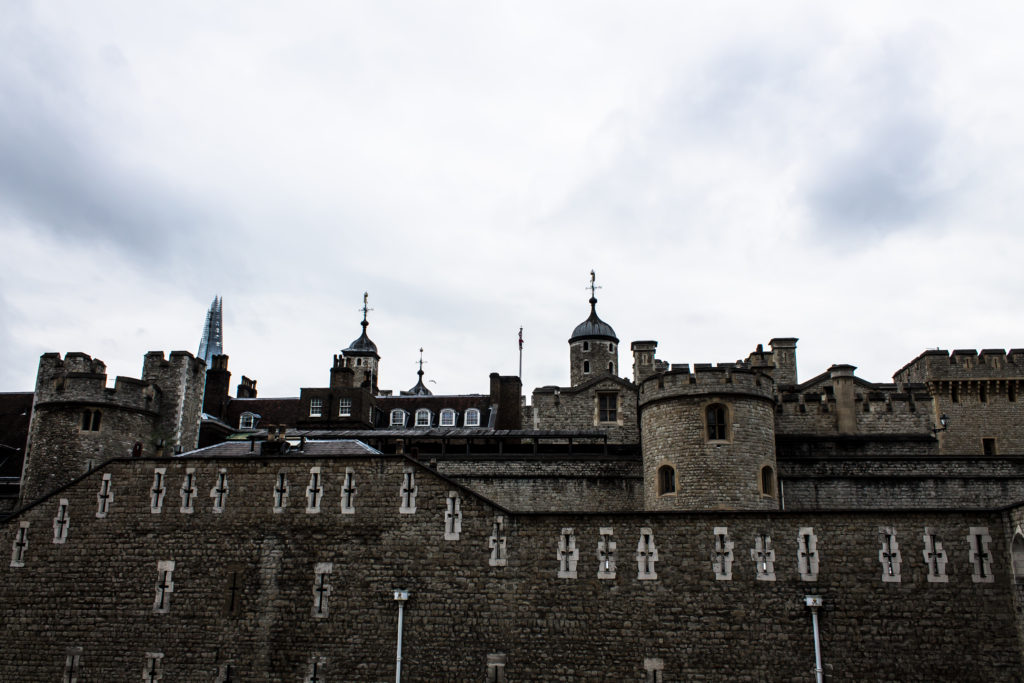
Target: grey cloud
882	185
57	174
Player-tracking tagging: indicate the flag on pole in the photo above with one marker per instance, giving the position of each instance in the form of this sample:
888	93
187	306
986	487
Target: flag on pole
520	339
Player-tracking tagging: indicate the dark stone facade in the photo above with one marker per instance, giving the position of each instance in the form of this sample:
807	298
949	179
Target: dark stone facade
103	582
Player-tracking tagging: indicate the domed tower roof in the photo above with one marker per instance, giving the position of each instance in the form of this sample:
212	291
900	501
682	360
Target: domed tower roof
593	327
363	345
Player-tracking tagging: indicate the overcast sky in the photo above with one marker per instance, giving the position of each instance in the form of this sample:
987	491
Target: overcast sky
735	171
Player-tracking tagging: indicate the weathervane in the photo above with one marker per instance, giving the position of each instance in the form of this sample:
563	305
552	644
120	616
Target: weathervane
365	309
593	287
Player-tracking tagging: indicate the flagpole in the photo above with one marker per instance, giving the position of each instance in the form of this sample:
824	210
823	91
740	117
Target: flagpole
520	353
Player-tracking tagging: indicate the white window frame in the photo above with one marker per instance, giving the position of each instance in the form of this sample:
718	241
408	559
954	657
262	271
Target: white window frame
400	414
423	417
316	407
344	407
471	418
447	418
247	420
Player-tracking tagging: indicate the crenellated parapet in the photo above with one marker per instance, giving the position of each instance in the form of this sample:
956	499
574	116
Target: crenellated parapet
78	379
963	364
721	379
78	420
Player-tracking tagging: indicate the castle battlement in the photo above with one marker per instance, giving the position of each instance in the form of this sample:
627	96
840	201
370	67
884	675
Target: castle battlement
80	379
962	364
724	378
890	402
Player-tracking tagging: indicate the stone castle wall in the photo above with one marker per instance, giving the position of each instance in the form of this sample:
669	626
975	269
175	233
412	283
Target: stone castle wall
584	483
523	586
837	483
978	392
576	410
876	413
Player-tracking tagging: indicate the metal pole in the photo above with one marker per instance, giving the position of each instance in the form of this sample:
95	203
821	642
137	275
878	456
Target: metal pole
814	602
401	596
520	354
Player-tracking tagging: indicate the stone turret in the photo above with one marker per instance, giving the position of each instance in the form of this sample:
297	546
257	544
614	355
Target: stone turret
593	346
78	421
708	439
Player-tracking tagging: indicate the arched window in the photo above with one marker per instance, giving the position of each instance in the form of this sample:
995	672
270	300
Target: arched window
611	367
586	367
666	480
611	347
1017	555
472	418
422	417
397	417
247	421
767	481
716	421
447	418
586	346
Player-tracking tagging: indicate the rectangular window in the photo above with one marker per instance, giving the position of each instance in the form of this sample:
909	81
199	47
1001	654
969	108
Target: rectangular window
988	446
607	407
316	407
344	407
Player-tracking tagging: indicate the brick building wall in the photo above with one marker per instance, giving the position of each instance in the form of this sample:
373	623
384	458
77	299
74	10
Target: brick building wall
552	618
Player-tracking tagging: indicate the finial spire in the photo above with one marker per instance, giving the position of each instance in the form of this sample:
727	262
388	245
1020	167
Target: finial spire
420	371
365	309
593	287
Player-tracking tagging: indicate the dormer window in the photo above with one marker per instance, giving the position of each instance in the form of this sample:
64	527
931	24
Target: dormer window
247	421
397	417
447	418
316	407
422	417
472	418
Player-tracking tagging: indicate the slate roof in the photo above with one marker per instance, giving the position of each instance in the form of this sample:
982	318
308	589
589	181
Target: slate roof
311	448
593	327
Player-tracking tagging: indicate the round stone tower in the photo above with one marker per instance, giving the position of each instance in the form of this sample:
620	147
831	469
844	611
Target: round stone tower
593	346
708	439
